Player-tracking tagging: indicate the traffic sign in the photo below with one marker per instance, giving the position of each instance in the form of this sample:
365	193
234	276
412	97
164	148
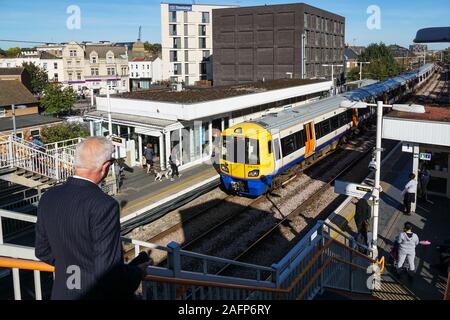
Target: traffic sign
426	156
353	189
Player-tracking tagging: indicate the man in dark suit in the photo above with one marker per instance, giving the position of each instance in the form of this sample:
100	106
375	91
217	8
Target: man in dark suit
78	231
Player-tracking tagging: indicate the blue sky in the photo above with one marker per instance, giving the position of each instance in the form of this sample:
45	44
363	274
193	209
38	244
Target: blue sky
118	20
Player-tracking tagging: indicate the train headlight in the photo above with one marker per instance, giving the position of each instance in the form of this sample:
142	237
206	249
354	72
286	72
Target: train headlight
224	168
253	173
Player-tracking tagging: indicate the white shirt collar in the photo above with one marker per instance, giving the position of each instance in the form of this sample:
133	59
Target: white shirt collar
86	179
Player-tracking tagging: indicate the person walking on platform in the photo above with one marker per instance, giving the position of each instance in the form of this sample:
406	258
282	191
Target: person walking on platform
78	232
424	178
174	168
118	169
407	242
409	193
148	154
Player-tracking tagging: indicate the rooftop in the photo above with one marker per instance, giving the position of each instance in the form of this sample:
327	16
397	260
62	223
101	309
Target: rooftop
202	94
441	114
14	92
11	71
27	121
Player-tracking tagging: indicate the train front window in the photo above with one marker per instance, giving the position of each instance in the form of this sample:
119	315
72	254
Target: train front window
252	147
240	150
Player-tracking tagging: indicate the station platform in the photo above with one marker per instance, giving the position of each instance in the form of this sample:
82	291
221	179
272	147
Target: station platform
431	221
140	193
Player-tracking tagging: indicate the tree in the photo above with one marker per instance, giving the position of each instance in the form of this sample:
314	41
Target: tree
39	78
154	48
13	52
57	100
382	63
2	53
64	131
353	74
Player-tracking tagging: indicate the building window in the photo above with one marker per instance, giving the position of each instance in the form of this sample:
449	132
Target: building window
35	132
73	53
205	17
55	66
177	43
44	65
186	16
173	56
70	76
186	30
173	29
206	54
172	16
202	30
177	69
305	17
94	59
111	71
78	63
202	68
186	55
94	72
55	77
186	68
78	76
186	43
124	83
2	112
202	43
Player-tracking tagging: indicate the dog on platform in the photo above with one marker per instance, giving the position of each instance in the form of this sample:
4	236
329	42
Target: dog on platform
163	173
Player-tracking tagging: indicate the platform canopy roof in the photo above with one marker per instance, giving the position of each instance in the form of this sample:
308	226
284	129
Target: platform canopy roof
433	35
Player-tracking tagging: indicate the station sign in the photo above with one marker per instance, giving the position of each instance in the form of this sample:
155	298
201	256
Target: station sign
118	141
353	189
407	147
426	156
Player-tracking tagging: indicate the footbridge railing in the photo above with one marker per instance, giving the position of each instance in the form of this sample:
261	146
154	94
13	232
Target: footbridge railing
317	262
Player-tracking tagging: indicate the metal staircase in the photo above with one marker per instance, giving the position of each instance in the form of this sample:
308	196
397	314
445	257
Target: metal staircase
20	159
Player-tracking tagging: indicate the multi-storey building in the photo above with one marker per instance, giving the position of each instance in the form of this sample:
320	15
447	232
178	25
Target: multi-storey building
144	71
186	40
276	41
50	63
93	67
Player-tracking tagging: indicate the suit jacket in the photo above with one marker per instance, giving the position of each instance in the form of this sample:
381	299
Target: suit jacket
78	231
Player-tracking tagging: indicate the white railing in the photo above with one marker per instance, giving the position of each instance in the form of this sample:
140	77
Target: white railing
39	162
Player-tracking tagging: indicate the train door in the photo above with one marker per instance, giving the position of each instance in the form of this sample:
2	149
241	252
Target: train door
277	152
310	142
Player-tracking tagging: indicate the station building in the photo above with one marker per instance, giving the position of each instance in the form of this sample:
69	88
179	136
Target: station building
190	121
427	137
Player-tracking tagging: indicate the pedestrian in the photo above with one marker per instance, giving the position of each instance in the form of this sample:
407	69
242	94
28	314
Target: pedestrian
407	242
174	168
148	154
424	178
409	193
78	232
118	169
363	236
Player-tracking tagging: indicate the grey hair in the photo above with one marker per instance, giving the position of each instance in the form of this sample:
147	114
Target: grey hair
92	153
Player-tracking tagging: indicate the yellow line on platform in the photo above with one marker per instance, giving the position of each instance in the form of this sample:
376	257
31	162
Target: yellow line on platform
170	189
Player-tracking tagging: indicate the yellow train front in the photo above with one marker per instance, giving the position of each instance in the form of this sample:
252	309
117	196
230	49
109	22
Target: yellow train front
247	163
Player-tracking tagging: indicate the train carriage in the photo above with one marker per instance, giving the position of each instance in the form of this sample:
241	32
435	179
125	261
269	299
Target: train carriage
254	153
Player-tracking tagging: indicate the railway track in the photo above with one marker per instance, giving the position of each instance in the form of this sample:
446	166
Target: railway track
253	211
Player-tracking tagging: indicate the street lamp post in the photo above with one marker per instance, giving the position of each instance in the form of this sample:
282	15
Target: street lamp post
13	107
360	68
377	186
332	74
